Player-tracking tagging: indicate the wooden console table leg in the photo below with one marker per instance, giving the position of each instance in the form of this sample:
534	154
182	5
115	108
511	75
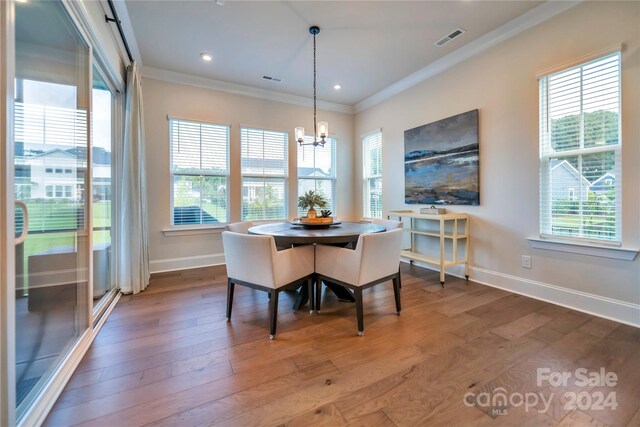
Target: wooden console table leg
466	249
442	252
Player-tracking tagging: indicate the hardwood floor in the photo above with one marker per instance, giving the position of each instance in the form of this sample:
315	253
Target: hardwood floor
167	357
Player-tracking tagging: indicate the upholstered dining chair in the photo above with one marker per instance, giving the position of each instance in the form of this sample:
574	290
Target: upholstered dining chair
240	227
374	260
253	261
390	224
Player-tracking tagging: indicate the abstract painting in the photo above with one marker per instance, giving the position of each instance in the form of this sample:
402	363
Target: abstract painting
441	162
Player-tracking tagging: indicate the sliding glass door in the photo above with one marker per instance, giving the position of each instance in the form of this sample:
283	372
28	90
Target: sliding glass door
103	138
51	184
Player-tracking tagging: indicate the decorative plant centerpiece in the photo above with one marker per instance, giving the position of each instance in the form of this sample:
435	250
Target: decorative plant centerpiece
309	201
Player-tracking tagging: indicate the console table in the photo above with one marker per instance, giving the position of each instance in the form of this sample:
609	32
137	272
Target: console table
450	226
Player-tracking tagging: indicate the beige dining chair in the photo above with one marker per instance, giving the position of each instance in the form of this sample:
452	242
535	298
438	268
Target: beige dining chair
374	261
388	224
240	227
253	261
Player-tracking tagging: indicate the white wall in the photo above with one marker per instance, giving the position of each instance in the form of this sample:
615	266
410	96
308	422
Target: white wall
163	98
502	84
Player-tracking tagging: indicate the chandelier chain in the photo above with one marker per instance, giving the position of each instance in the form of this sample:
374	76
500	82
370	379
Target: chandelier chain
315	124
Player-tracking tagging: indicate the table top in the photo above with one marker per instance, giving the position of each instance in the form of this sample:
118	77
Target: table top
343	233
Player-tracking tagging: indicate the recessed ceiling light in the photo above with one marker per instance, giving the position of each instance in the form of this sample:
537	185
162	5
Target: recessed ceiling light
206	57
337	87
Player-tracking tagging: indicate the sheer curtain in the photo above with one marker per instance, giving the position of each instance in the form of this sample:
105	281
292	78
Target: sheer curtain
133	265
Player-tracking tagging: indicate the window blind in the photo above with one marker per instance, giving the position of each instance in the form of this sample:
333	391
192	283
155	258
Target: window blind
264	164
580	164
199	169
372	175
317	171
45	136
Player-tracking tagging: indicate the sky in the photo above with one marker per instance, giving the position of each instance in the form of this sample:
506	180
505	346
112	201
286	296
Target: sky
445	134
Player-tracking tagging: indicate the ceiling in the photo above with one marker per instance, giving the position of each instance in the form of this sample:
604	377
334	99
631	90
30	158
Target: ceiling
363	46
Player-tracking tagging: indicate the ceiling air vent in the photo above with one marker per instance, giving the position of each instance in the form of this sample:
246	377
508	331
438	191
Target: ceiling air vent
272	79
446	39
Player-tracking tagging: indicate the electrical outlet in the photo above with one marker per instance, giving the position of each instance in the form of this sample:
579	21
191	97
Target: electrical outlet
526	261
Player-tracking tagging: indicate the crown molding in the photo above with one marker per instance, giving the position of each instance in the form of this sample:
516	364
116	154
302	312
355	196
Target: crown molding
512	28
238	89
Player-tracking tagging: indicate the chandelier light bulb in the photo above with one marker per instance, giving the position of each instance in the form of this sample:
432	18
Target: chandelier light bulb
323	129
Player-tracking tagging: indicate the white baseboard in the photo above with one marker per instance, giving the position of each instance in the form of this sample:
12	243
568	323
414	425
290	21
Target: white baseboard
185	263
608	308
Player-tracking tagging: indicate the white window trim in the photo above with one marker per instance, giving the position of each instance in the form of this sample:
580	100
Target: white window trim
175	230
579	245
191	230
581	248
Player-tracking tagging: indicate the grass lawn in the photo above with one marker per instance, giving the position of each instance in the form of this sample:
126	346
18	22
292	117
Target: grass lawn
45	217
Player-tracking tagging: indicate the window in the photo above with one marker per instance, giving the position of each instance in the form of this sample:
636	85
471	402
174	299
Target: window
67	191
264	173
49	170
579	145
49	190
199	172
317	171
67	171
372	175
58	170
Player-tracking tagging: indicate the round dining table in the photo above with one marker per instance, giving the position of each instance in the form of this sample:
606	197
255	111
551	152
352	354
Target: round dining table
343	234
287	234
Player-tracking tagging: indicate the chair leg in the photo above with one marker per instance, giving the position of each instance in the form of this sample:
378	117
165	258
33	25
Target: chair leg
230	287
318	293
396	292
359	311
399	279
312	299
273	303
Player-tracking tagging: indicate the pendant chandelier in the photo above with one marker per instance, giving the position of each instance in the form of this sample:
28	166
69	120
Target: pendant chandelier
320	130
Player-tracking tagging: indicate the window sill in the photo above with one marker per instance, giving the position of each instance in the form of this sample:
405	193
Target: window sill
192	231
625	254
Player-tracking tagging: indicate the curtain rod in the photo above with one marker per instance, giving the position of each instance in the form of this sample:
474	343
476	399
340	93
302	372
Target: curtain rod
117	21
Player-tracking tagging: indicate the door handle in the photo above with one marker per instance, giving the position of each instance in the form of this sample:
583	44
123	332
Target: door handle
25	225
